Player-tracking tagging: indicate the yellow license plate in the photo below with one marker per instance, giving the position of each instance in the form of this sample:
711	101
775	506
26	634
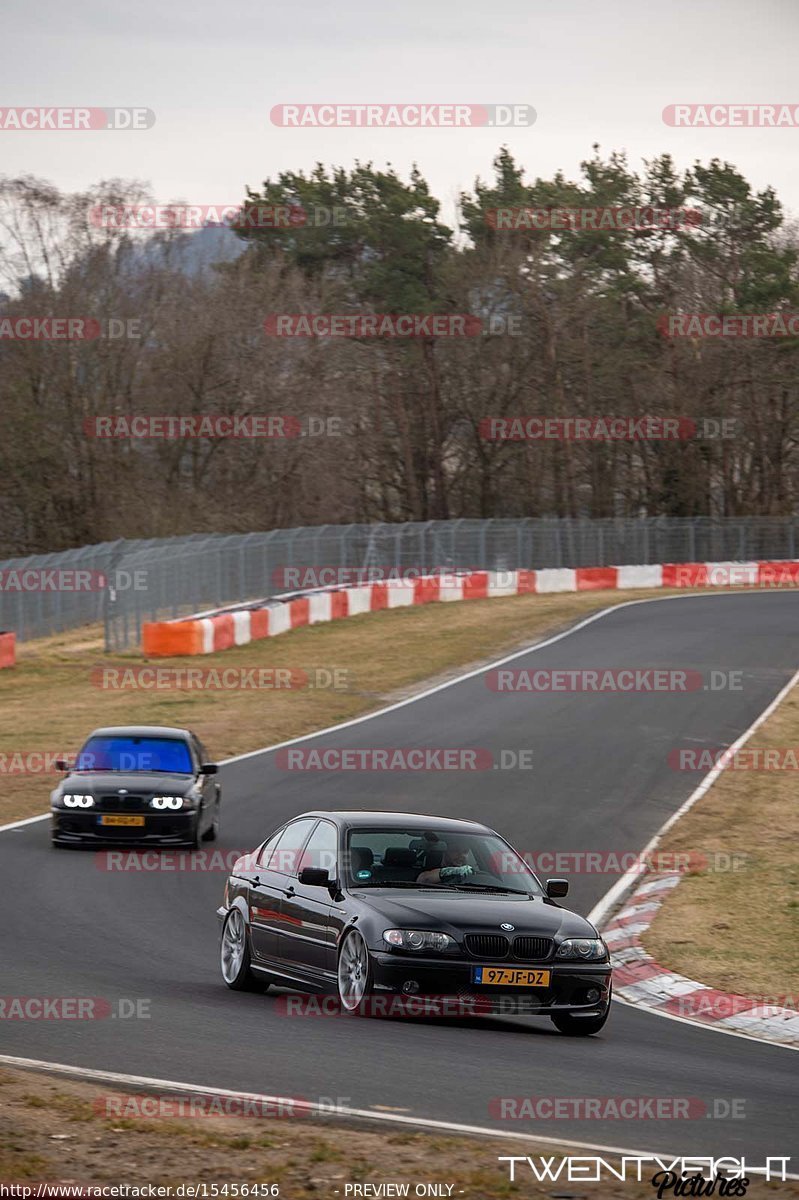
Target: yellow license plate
108	820
511	976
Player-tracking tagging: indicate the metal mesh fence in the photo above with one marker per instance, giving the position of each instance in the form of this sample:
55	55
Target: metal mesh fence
129	582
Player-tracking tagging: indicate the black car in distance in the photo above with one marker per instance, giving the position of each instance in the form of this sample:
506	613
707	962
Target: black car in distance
371	905
137	785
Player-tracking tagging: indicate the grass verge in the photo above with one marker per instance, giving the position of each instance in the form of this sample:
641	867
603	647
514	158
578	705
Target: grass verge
738	929
56	1130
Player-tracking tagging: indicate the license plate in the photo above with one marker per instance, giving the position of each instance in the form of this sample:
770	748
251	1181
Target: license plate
510	976
108	820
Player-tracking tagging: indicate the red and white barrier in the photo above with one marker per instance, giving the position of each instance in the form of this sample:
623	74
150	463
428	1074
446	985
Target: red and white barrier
206	635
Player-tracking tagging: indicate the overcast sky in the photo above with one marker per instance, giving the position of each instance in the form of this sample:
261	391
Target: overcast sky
594	70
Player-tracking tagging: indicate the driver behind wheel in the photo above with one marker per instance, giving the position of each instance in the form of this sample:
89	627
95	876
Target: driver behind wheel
453	869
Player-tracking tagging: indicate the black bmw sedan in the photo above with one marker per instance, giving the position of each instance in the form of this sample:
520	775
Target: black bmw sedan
379	906
142	785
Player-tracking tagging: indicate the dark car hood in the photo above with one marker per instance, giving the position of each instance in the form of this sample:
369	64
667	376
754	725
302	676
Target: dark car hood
479	913
100	782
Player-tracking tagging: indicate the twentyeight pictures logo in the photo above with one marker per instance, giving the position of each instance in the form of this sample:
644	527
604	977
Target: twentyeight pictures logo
402	116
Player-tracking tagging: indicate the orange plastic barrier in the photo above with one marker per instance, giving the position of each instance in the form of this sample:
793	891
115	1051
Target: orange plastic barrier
166	639
8	649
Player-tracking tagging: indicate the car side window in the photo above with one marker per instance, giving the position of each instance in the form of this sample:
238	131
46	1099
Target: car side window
322	849
266	852
195	750
286	854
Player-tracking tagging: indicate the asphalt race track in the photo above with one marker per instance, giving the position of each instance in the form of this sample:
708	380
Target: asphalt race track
600	782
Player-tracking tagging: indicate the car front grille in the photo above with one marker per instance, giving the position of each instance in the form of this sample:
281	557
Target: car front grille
487	945
532	947
497	946
124	804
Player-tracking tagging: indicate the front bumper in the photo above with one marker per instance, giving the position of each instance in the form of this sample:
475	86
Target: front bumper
577	987
73	826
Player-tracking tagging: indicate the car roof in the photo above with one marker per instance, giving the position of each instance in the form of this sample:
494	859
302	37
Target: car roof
379	819
141	731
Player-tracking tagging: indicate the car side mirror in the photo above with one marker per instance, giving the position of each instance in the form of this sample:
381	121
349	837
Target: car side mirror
62	764
209	769
557	888
314	877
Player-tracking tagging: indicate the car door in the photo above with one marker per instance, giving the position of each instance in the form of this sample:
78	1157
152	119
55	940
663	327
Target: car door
306	938
266	889
207	783
273	872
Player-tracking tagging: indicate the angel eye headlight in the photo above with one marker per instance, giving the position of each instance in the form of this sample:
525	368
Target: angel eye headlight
582	948
418	939
72	800
162	802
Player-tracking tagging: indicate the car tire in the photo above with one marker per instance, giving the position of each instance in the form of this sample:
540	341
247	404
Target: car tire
354	976
579	1026
212	832
234	955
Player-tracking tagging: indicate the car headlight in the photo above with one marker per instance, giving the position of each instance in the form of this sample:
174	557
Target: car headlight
71	800
162	802
583	948
418	939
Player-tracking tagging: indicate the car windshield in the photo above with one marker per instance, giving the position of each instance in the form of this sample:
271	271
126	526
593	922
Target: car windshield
405	857
122	752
